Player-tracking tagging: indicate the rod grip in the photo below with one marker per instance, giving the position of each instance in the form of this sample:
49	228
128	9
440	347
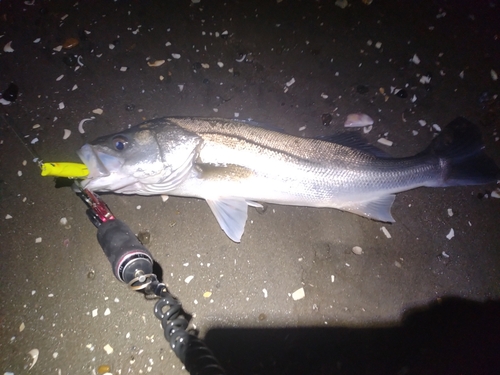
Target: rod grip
128	257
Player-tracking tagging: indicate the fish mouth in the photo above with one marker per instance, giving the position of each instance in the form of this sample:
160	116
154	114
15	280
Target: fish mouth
100	165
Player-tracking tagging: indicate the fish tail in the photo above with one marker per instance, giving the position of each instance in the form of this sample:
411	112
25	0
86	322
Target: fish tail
460	150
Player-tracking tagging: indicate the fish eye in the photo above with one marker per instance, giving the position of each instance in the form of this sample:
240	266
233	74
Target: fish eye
120	143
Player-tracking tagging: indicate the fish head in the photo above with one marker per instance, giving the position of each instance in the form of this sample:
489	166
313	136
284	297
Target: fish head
117	162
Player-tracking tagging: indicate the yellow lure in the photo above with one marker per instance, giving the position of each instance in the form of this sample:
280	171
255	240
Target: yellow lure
70	170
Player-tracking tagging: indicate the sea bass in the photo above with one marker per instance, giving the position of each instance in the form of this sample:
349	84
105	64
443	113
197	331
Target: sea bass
232	165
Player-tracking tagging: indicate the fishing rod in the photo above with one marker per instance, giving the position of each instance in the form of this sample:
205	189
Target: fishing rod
132	264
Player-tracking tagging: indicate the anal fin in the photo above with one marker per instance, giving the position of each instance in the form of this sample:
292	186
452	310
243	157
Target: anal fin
231	213
376	209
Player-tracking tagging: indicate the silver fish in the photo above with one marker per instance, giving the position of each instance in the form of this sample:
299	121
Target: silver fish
232	165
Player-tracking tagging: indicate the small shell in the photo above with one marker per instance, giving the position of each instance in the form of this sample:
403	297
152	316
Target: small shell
97	111
156	63
67	133
357	120
34	354
357	250
8	48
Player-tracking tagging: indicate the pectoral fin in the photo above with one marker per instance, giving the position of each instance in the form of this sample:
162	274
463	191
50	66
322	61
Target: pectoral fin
231	213
376	209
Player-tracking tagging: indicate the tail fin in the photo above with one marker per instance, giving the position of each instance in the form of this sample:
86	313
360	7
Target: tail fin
460	150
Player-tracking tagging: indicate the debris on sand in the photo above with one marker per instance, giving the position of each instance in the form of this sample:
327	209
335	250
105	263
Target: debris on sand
358	120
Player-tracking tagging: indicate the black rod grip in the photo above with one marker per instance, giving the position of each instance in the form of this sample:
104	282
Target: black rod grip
128	257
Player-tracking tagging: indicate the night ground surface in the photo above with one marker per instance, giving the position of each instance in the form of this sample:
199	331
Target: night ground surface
415	303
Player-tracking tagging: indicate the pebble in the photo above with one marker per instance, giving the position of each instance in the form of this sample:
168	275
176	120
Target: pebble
326	119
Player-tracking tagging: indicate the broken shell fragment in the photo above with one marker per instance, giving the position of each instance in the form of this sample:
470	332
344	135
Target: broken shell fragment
34	354
70	43
357	120
451	234
298	294
384	141
67	133
8	47
156	63
97	111
80	125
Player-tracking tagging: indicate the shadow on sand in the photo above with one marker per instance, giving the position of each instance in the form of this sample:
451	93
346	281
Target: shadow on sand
451	336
